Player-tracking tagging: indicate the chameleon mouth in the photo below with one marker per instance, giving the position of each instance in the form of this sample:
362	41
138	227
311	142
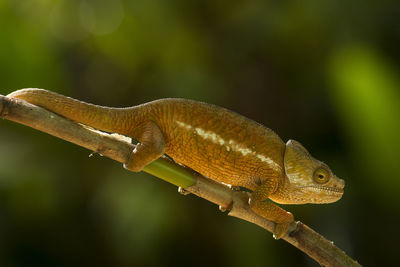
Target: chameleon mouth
327	189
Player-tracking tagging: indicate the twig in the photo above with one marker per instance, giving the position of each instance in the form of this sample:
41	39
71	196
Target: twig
119	148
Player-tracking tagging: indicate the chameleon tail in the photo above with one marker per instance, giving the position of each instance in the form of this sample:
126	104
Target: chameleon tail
118	120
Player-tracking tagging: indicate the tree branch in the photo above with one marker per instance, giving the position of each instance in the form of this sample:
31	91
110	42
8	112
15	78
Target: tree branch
119	148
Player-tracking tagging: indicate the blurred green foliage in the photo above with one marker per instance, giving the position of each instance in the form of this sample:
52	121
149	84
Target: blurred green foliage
367	96
322	72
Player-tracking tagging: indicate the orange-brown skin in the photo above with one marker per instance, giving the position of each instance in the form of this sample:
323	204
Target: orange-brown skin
218	143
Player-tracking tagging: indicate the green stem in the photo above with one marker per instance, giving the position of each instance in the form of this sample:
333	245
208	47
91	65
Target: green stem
171	172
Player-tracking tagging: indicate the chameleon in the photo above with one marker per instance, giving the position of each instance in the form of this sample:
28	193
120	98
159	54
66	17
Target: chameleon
220	144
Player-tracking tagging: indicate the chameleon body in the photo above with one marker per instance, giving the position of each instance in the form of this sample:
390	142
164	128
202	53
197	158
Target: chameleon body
218	143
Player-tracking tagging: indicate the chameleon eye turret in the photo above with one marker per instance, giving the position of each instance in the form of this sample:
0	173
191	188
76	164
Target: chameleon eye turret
321	175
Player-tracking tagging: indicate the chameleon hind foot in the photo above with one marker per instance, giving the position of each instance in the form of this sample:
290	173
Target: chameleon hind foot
151	146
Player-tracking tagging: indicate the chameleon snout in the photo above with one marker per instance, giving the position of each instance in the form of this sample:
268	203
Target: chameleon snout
340	183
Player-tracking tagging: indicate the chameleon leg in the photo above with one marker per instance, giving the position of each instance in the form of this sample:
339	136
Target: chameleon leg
261	205
151	146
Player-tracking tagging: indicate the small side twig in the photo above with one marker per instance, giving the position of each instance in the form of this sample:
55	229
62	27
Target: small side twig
118	148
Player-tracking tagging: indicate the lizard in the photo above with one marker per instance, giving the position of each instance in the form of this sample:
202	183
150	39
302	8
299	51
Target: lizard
220	144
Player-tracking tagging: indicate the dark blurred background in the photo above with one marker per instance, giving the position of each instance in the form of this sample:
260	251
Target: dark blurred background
325	73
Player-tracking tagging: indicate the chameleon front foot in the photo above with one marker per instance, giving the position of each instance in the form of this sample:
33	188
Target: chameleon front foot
261	205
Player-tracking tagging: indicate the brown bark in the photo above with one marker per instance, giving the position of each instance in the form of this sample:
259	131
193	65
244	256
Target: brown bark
119	148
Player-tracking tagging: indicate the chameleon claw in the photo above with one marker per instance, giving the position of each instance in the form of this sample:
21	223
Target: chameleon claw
225	208
235	188
281	230
183	191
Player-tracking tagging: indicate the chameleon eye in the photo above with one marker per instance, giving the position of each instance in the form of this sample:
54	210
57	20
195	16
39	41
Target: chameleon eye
321	175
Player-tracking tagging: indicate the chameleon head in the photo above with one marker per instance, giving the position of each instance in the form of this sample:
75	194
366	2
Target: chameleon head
309	180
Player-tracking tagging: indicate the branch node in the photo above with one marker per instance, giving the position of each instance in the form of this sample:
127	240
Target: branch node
294	228
3	106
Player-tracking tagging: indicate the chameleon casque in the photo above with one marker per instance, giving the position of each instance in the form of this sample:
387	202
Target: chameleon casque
218	143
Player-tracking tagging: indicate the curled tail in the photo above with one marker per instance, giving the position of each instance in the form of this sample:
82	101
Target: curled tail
118	120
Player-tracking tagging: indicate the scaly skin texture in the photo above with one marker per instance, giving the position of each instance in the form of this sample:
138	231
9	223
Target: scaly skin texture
219	144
